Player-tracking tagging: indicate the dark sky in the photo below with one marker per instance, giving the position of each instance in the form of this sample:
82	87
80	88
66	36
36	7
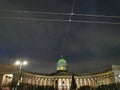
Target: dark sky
89	47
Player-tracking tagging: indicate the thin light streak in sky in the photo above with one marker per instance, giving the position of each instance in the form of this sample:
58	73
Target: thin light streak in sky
74	14
67	30
59	20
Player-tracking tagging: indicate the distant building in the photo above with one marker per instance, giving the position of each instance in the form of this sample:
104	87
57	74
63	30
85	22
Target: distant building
62	78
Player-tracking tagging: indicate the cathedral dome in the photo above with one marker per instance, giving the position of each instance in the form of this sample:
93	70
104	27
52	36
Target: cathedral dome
62	65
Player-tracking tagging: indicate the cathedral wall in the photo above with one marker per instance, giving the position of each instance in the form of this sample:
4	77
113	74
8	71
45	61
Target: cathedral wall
64	81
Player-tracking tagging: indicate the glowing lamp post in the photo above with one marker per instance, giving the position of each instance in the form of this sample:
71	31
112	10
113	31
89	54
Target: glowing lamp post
20	63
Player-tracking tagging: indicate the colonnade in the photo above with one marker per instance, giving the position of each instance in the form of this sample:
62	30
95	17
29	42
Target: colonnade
39	81
65	81
94	81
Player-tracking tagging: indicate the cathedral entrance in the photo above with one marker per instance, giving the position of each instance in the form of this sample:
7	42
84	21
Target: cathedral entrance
62	86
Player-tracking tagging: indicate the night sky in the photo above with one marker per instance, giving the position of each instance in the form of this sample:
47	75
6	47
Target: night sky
89	47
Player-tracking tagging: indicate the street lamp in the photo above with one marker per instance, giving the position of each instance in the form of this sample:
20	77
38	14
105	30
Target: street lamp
20	63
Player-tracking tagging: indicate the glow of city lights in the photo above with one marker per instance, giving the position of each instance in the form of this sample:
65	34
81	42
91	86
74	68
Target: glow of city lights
17	62
119	75
24	62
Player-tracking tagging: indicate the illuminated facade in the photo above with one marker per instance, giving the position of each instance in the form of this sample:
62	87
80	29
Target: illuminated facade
62	78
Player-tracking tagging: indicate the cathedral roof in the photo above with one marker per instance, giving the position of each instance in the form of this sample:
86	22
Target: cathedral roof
62	60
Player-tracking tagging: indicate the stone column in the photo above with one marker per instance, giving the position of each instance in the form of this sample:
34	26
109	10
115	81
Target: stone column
33	81
77	83
45	81
27	78
42	81
81	82
36	80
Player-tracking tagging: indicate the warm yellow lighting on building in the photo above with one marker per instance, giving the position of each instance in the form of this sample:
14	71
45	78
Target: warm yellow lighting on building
62	68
